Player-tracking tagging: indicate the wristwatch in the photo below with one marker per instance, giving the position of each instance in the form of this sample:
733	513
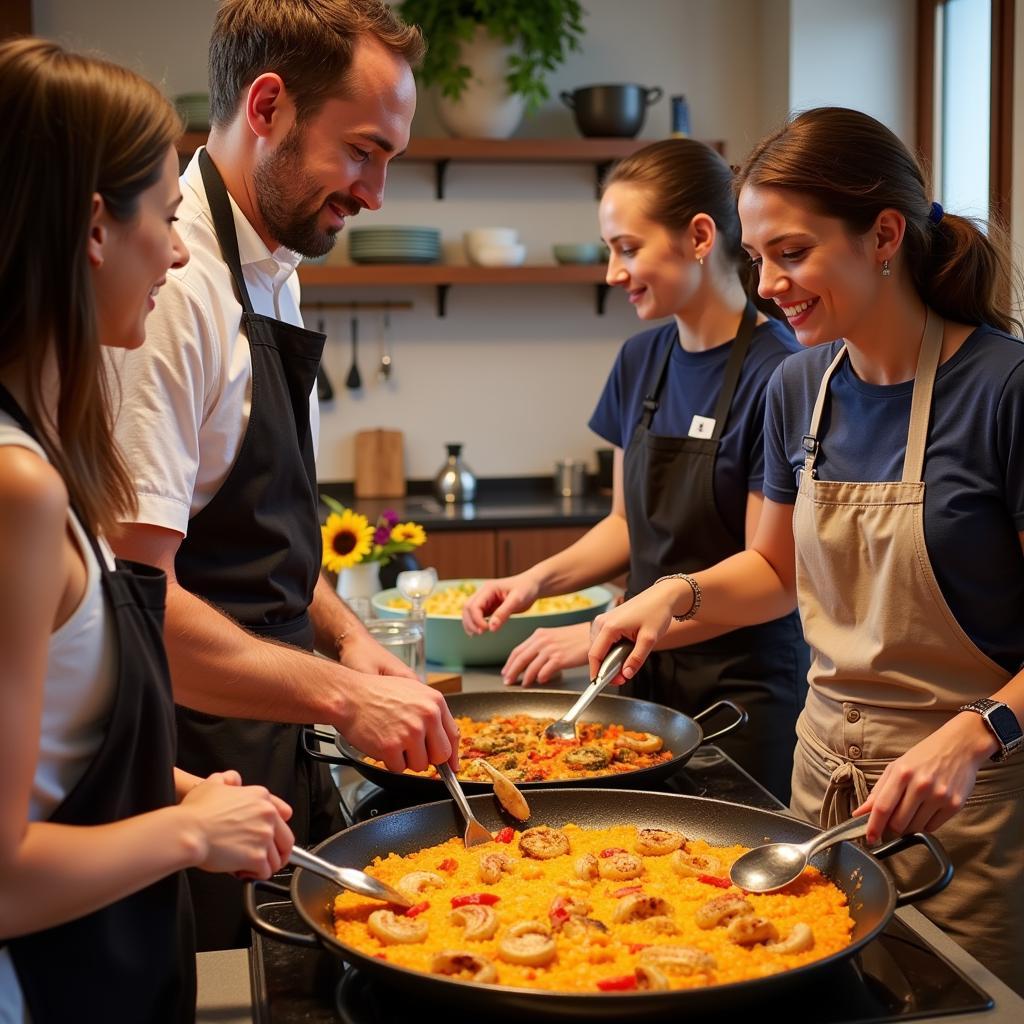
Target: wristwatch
1003	724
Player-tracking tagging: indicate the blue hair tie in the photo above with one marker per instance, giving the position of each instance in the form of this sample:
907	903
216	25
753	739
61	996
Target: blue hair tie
936	213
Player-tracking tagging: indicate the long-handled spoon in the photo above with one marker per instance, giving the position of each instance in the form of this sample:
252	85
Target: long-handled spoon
354	381
348	878
775	865
565	727
475	832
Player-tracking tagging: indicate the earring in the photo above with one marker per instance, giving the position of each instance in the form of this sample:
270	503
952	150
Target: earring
886	272
700	260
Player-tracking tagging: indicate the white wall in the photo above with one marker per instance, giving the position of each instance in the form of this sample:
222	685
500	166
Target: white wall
515	373
857	55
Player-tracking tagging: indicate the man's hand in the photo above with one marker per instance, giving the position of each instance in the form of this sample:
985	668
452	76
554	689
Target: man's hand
399	721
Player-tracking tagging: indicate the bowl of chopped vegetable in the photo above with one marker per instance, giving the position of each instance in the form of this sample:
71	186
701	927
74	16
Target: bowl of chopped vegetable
447	642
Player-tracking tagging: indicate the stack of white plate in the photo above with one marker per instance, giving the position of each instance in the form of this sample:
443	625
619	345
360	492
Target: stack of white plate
394	245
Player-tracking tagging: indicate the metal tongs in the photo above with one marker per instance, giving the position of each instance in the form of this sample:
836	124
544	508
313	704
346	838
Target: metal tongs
347	878
565	727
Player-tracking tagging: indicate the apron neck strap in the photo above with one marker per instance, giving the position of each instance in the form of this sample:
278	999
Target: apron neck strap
224	224
921	404
920	408
733	368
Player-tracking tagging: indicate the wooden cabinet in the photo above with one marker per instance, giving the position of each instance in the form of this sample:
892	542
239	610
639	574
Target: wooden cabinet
488	553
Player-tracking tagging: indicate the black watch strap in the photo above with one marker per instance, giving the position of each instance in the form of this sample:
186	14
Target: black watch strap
1003	724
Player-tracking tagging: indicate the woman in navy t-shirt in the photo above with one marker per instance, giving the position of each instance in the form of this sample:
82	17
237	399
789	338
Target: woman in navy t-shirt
894	514
684	408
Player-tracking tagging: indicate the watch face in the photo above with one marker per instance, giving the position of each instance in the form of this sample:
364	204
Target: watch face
1005	724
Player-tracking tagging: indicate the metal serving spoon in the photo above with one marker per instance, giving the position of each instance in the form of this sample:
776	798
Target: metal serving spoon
475	832
775	865
347	878
565	727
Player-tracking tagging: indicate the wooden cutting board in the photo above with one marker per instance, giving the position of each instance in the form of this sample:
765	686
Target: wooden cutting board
380	464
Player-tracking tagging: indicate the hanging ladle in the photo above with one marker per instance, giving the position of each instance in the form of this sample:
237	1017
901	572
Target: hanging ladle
324	388
354	381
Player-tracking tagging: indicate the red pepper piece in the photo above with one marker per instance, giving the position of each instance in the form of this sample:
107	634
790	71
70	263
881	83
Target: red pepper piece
506	835
619	893
488	899
611	851
722	883
623	983
418	909
559	915
635	947
380	956
448	864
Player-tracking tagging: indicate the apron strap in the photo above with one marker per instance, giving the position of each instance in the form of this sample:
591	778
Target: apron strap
650	403
733	368
921	404
810	441
224	224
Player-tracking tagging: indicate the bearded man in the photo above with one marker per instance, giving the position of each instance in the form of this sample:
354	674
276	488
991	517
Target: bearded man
218	419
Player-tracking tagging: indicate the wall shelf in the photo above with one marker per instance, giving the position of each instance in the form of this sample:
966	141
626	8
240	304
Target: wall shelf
442	277
601	153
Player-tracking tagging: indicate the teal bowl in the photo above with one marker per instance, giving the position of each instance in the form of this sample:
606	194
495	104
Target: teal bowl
447	643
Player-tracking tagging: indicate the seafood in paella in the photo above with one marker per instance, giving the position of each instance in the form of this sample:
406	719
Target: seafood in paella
569	909
517	746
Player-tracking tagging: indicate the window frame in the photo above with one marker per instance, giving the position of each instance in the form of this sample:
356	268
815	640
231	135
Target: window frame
1000	99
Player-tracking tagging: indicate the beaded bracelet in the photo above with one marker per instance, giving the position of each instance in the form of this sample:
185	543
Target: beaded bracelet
694	586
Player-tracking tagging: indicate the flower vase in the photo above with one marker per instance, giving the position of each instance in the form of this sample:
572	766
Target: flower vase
357	584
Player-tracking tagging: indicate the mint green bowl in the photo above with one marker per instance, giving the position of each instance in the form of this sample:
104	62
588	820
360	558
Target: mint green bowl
448	644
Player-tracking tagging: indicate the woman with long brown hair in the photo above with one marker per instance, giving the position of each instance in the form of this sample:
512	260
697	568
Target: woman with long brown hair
96	825
894	511
684	409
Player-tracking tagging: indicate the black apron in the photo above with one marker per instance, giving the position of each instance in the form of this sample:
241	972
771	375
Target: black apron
254	553
675	526
134	959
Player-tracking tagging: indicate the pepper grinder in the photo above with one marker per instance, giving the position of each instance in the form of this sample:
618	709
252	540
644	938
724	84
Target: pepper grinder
455	483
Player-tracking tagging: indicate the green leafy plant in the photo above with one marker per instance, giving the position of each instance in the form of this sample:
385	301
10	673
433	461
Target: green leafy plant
544	30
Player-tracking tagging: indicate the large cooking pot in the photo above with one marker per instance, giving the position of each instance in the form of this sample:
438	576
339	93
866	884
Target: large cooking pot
611	111
682	735
869	889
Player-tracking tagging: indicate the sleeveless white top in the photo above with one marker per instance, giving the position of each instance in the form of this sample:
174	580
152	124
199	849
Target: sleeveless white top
78	694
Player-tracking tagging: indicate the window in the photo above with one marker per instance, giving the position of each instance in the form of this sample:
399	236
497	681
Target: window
965	83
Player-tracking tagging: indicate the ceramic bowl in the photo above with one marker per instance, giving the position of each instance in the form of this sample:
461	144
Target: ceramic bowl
447	642
580	252
498	255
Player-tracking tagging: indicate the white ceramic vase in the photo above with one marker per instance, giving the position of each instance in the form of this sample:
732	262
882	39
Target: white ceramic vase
486	109
359	582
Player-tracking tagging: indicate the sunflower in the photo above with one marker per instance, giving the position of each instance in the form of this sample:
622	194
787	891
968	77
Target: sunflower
409	533
348	539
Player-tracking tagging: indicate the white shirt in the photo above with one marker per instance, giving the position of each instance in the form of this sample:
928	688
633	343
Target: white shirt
78	695
183	398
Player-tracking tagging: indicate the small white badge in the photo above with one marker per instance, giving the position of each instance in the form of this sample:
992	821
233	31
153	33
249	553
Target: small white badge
702	426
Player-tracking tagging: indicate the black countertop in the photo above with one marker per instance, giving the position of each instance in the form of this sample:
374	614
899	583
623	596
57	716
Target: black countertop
501	503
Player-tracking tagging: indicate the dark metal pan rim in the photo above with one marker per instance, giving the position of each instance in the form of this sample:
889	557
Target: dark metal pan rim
413	978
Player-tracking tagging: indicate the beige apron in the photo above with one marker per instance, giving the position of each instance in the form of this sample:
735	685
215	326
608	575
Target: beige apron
890	665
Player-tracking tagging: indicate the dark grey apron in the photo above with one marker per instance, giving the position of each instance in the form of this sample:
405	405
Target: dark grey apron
254	553
675	526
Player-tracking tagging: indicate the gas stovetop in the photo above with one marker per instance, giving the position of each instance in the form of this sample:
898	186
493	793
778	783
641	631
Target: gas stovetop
897	977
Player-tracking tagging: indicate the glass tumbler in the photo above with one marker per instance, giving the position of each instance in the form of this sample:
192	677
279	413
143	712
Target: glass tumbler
403	638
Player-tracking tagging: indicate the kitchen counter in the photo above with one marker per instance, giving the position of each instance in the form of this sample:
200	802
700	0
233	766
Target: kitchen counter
500	504
225	997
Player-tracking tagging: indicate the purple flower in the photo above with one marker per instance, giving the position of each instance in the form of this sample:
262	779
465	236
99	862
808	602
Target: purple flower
382	535
390	517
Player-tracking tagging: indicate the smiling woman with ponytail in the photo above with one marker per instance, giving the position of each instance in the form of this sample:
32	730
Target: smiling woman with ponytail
894	512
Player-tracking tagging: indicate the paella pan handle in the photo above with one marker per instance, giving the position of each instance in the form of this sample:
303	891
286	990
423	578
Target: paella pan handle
741	719
935	848
311	740
265	927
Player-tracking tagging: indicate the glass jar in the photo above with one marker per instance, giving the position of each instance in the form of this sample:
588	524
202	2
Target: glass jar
404	639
